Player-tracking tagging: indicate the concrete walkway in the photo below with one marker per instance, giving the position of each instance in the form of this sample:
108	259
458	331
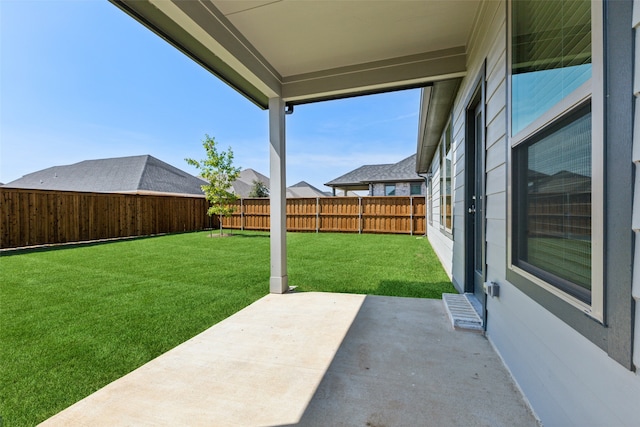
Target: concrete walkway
317	359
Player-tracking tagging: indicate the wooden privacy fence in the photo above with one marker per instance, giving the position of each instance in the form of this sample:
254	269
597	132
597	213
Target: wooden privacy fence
35	217
395	214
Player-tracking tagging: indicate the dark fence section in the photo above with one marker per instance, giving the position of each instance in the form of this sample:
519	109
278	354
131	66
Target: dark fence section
399	215
35	217
38	217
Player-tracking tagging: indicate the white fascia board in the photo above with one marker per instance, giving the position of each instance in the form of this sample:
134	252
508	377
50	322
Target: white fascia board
377	76
435	109
221	38
423	159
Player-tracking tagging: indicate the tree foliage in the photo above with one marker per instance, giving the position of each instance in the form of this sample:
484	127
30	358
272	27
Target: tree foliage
218	170
259	189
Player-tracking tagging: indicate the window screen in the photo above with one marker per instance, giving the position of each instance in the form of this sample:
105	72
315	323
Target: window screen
552	230
446	208
551	55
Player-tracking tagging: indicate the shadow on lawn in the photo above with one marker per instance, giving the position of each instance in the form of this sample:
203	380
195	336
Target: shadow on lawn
71	245
245	235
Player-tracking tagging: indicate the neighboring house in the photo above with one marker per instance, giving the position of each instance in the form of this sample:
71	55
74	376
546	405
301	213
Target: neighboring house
515	95
396	179
304	189
245	182
130	175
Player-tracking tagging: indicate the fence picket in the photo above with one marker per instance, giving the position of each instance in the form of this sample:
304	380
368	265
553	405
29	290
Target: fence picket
35	217
337	214
38	217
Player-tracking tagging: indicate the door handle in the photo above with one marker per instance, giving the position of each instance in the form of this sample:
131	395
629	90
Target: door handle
472	209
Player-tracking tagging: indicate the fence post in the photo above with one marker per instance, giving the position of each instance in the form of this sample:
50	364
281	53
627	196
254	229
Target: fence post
317	214
242	214
427	207
411	214
359	215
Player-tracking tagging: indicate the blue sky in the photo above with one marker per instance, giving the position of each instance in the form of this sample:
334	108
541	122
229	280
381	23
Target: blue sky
82	80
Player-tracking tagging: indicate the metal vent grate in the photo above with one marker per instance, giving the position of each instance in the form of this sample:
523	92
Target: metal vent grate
461	312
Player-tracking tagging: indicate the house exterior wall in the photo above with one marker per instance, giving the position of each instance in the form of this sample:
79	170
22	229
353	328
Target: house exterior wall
402	189
636	204
441	242
567	379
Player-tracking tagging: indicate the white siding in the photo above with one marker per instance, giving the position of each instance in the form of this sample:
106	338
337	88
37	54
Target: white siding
567	379
442	244
486	43
459	211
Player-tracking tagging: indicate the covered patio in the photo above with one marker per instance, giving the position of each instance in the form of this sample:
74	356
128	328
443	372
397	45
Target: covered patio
279	54
317	359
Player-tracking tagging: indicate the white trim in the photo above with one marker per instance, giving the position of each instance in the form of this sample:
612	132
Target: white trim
583	306
443	178
598	161
575	98
221	38
391	73
278	283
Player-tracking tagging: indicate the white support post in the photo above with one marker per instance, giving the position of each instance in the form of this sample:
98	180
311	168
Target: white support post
278	283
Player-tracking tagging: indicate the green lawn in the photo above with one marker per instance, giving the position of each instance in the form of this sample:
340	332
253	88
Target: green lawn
73	319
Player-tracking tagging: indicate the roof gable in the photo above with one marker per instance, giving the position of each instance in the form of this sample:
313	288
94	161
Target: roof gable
359	175
404	170
304	189
132	174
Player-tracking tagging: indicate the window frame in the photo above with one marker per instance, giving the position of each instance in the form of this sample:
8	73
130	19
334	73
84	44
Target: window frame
386	193
429	197
446	139
412	186
591	91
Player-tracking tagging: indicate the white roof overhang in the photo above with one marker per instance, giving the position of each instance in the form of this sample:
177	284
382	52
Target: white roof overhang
306	51
435	108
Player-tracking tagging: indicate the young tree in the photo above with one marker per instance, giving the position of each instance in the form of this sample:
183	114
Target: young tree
259	189
218	170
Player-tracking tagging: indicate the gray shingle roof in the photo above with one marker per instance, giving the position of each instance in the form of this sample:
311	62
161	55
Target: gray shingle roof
244	184
304	189
403	171
358	176
135	174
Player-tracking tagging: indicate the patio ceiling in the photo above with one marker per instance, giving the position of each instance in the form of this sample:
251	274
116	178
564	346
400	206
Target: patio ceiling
305	51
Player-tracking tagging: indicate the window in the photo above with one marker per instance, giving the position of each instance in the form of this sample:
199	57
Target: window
553	205
556	145
551	55
446	219
389	189
416	188
430	198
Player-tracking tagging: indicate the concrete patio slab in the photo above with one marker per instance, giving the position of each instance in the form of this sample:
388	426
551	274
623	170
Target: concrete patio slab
317	359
